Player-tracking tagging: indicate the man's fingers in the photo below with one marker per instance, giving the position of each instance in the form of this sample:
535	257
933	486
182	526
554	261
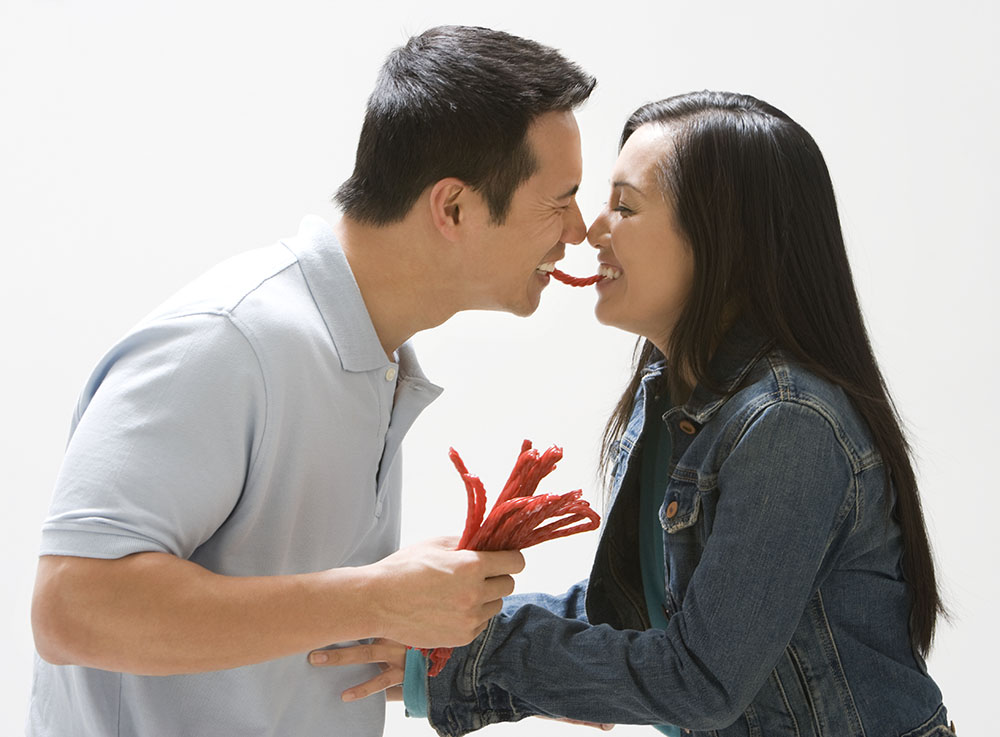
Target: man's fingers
385	680
499	586
489	610
502	562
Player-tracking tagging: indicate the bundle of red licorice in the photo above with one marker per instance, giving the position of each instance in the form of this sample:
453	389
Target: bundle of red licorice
515	522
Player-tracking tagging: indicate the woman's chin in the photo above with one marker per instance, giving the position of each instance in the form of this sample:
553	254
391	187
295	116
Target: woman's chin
607	317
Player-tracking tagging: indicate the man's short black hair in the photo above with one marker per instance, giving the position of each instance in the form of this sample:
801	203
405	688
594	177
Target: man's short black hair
456	101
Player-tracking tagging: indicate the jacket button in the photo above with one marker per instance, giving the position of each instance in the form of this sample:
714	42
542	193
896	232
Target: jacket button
671	510
687	427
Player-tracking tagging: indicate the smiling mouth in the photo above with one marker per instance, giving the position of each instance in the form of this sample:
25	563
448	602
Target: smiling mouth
609	272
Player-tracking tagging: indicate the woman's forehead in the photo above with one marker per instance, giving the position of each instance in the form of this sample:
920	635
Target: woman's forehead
641	155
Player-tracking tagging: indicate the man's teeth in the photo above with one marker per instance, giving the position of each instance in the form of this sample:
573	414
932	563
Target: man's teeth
609	272
547	268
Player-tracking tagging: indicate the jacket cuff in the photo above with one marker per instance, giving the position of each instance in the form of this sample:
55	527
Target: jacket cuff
458	703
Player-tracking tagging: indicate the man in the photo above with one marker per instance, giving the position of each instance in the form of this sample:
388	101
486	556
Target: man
229	500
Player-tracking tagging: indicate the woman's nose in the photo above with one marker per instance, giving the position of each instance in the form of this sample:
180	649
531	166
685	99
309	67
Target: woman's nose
598	234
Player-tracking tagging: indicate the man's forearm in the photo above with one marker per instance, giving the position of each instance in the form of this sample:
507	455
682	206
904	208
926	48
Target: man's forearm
156	614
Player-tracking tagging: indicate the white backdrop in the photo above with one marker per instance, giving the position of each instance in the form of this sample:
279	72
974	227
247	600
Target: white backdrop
141	143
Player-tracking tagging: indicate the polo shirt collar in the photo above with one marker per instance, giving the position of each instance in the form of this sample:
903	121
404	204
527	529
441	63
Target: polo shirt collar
335	291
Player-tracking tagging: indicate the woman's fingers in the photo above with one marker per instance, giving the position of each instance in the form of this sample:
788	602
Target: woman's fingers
595	725
390	657
389	678
378	651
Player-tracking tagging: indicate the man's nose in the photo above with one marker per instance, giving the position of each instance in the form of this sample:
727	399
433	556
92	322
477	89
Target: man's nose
574	229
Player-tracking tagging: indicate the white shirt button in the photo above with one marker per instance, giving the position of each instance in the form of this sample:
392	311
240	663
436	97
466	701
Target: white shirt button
390	373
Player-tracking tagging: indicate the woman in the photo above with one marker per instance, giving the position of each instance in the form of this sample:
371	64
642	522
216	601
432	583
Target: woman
764	567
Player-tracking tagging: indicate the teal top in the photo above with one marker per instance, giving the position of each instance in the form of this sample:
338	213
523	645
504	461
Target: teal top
415	684
654	469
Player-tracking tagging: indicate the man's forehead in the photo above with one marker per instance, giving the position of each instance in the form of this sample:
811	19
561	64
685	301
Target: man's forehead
555	141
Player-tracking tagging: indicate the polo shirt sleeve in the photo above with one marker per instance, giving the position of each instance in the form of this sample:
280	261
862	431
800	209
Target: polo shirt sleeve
163	442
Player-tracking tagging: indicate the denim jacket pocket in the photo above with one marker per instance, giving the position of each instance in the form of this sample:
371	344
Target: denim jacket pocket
936	726
681	505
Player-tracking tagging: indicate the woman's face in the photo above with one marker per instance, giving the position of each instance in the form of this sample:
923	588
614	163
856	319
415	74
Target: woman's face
648	265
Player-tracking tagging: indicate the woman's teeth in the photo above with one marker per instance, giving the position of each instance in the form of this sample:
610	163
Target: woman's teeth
547	268
609	272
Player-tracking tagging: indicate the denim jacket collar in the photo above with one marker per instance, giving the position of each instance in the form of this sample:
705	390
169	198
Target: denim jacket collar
740	350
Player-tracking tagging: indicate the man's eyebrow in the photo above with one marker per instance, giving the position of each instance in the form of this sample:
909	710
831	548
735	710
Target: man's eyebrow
622	183
570	193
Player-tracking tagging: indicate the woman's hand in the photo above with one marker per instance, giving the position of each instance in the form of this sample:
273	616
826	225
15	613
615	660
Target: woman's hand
388	655
595	725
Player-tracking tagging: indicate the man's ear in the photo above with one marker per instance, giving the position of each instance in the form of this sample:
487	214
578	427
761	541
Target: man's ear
448	200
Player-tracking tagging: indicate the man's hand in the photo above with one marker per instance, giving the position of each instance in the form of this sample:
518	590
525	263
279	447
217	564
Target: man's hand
390	657
431	595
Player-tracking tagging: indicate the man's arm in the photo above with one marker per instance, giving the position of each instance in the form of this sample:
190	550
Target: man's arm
157	614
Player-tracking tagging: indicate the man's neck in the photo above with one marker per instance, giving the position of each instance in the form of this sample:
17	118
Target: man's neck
405	281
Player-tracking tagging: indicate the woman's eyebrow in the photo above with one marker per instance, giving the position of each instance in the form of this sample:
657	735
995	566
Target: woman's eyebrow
622	183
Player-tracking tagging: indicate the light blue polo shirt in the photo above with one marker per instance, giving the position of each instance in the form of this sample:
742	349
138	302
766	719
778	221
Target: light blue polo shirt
252	424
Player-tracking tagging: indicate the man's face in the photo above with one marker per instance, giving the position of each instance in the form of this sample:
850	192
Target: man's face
543	217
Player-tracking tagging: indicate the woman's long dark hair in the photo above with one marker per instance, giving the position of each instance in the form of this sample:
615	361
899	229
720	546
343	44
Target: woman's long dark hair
754	200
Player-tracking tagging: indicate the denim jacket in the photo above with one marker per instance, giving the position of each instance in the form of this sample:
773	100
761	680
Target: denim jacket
788	613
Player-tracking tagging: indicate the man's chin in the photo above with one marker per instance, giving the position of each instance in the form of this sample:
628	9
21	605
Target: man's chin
526	309
523	307
532	300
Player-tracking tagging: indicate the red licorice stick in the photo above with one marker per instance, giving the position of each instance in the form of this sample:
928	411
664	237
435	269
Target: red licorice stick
438	657
576	281
476	511
513	481
515	522
476	498
545	465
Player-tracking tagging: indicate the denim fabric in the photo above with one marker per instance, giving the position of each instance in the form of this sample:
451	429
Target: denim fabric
788	613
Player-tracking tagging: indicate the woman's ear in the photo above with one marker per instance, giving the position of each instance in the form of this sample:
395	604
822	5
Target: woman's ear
448	198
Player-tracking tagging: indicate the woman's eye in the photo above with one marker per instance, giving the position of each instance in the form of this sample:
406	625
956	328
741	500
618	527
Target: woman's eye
620	208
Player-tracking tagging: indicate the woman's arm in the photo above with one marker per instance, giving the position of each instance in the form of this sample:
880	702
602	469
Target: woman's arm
780	507
571	604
